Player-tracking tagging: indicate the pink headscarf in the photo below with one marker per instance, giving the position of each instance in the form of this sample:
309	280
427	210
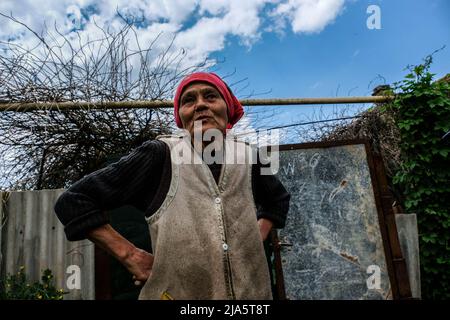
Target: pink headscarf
235	110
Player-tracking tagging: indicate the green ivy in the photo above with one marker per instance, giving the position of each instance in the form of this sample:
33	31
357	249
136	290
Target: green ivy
17	287
422	110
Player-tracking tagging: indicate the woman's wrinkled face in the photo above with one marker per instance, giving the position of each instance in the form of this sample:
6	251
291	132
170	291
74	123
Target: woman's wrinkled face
202	103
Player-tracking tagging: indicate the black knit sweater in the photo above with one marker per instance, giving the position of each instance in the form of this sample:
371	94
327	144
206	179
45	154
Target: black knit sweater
142	179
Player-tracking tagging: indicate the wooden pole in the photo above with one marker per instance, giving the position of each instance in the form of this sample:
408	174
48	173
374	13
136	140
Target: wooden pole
24	107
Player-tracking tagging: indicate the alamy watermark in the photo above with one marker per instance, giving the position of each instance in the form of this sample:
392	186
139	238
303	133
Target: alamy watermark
213	146
374	20
74	279
374	280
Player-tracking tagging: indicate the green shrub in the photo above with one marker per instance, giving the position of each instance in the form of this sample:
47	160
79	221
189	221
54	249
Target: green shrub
16	287
422	112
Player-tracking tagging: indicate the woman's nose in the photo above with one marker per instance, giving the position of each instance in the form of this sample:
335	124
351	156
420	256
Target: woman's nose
201	104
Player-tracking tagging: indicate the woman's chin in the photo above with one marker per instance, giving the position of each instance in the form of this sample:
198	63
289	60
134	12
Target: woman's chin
208	127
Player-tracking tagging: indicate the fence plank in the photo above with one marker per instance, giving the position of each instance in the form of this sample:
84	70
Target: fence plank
33	237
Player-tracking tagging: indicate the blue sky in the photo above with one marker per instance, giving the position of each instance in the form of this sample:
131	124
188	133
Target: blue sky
288	48
346	58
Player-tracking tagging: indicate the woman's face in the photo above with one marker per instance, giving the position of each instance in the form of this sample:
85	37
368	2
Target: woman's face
202	102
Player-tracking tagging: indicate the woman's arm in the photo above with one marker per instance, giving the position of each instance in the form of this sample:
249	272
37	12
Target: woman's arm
138	262
133	180
265	225
272	201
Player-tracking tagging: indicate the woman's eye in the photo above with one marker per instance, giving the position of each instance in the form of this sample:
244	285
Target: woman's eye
211	96
187	100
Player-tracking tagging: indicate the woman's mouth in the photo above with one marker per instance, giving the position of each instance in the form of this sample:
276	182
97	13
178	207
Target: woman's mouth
200	118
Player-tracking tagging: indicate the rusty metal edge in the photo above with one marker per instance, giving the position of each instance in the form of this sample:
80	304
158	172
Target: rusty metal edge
382	221
279	278
322	144
398	273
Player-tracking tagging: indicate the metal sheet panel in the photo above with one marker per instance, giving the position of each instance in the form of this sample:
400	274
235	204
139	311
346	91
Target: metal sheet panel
332	239
33	237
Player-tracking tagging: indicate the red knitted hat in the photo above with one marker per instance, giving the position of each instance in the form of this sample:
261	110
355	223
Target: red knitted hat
235	110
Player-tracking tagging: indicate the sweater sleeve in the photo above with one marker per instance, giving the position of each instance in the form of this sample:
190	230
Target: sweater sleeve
130	181
271	197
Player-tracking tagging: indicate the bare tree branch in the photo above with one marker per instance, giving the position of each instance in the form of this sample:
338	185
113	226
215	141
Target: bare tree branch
54	148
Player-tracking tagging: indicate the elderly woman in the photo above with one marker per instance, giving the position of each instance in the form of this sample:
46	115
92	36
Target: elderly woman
206	221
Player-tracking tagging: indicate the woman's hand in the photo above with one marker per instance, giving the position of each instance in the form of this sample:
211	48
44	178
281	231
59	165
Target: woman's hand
139	262
265	226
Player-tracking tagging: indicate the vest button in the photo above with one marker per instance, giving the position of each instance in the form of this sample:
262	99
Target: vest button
217	200
225	247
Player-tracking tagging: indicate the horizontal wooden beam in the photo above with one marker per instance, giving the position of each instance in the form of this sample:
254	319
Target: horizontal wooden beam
24	107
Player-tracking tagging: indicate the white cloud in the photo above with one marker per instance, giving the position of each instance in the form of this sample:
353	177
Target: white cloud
208	34
308	16
214	7
201	26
